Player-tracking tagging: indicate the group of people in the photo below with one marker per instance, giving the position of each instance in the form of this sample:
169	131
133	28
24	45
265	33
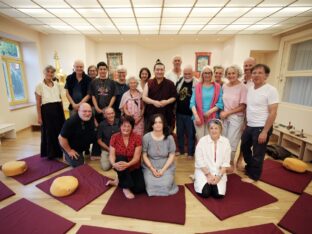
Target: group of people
130	123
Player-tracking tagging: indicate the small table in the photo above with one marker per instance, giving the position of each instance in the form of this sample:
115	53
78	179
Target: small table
293	142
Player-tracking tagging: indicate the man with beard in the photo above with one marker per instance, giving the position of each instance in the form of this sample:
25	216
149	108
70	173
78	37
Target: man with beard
77	133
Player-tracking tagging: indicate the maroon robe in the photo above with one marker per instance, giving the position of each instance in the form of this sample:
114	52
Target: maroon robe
163	91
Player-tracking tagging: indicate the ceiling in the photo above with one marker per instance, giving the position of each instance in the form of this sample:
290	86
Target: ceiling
159	17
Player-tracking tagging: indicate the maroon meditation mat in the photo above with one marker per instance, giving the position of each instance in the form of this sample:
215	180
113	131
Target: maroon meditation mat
38	167
85	229
268	228
91	185
5	192
26	217
239	198
169	209
275	174
298	217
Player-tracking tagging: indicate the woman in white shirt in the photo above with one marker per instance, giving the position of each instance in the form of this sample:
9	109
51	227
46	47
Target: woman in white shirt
212	158
50	114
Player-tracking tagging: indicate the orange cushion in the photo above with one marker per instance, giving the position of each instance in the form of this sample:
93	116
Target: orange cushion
14	168
295	164
64	186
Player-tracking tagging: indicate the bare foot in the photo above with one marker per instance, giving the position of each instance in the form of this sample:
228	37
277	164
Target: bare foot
112	182
177	153
192	177
128	194
190	157
248	180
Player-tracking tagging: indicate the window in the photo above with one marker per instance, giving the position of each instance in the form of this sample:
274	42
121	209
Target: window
13	69
298	85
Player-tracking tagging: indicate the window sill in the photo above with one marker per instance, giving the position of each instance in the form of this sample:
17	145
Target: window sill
21	106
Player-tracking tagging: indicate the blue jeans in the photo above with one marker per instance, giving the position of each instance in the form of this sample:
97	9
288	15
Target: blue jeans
185	126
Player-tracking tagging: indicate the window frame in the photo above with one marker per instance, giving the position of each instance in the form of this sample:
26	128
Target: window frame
287	74
7	60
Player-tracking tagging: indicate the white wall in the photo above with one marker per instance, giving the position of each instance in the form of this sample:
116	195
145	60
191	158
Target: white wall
31	51
90	52
145	54
244	44
68	47
32	67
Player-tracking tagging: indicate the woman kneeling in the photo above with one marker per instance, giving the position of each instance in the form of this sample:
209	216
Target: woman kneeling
212	158
125	157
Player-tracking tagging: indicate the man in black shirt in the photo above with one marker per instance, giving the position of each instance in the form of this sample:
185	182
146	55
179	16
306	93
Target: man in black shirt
77	134
76	87
107	128
185	125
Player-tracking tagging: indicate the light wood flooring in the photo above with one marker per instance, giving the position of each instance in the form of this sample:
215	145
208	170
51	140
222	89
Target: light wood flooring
198	218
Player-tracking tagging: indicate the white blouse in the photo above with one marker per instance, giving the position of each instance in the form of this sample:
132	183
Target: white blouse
205	156
49	94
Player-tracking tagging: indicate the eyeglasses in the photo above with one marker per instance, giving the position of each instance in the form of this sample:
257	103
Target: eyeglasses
207	73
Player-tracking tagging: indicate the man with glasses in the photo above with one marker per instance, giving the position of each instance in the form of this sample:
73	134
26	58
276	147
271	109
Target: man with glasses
77	133
121	88
185	126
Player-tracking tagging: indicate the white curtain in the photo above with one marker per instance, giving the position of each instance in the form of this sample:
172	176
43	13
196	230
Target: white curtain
301	56
298	90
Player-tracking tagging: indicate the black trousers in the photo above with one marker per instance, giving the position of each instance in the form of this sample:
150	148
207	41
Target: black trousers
72	161
253	152
210	190
52	121
132	180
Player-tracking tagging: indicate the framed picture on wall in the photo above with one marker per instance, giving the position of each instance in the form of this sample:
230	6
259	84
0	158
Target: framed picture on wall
113	61
202	59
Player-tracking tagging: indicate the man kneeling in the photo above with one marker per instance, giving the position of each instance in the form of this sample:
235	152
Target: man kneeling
77	133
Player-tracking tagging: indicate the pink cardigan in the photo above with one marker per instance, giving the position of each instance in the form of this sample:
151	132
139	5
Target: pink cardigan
199	101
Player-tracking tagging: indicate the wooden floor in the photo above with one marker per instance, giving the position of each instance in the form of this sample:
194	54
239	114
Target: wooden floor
198	218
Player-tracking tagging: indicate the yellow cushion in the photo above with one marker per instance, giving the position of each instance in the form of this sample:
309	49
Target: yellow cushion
294	164
64	186
14	168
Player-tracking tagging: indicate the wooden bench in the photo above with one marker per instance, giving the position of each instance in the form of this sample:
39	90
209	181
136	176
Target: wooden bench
7	130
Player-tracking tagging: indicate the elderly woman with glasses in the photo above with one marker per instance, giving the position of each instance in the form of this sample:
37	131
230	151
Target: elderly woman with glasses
206	100
131	104
212	158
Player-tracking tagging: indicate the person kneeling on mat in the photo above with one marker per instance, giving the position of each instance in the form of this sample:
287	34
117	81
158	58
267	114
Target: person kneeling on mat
77	133
125	156
212	158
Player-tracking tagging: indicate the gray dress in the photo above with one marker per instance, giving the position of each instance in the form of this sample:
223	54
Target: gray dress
158	153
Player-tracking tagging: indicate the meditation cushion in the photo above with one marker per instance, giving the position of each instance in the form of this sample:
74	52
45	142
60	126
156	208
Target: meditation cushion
294	164
63	186
14	168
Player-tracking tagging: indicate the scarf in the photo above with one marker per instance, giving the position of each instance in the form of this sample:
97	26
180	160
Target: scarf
199	101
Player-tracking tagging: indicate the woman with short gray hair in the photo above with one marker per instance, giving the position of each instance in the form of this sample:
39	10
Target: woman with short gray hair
50	114
131	104
234	99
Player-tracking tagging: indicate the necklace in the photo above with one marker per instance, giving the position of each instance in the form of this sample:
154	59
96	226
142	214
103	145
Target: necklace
48	83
